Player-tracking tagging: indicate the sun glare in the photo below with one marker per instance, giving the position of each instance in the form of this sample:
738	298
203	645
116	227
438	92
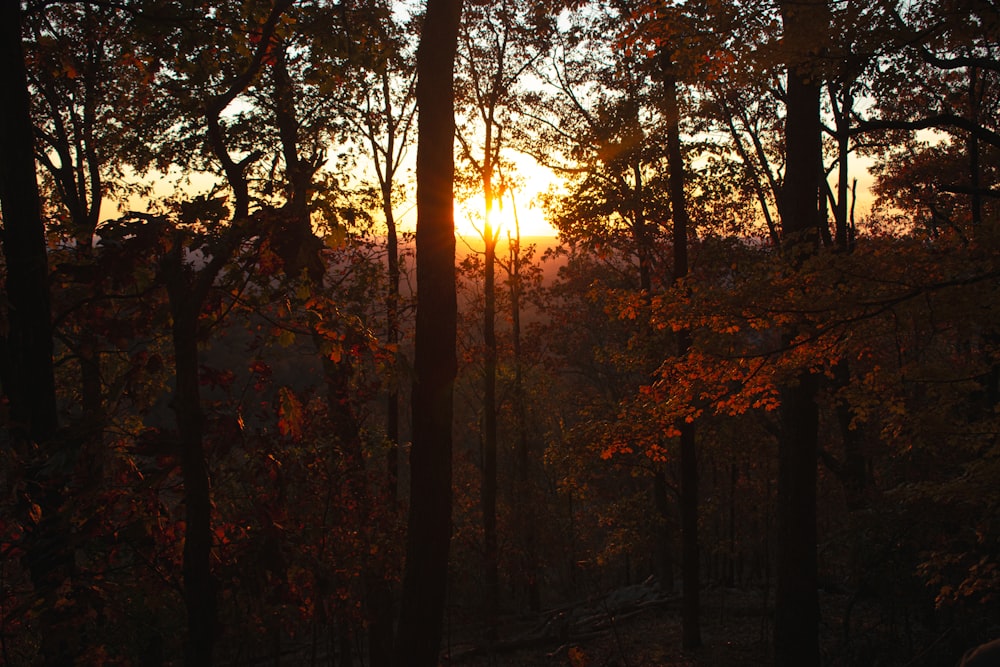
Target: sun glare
508	219
517	210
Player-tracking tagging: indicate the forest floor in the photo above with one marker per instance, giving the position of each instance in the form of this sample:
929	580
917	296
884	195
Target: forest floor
736	632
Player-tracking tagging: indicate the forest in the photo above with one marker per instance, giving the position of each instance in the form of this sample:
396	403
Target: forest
510	332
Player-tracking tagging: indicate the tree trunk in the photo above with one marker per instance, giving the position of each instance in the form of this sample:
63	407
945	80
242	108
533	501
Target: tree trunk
523	494
26	368
662	545
392	338
435	363
690	600
489	492
975	168
199	584
796	624
381	594
28	379
843	118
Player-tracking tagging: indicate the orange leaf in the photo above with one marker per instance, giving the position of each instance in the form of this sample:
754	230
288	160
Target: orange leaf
289	414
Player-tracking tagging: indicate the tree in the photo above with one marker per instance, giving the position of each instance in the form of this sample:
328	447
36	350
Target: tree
497	50
188	288
84	78
28	378
385	91
599	118
435	365
519	277
596	122
26	369
688	453
796	624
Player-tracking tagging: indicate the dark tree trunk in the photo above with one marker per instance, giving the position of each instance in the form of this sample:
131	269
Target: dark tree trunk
199	584
690	600
796	625
187	291
491	581
381	594
843	240
392	337
26	369
346	427
796	622
28	378
435	364
523	495
975	168
663	547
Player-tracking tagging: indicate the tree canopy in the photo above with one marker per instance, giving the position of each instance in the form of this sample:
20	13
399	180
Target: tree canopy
258	404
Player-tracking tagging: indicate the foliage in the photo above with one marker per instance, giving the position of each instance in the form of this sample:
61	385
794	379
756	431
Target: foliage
252	151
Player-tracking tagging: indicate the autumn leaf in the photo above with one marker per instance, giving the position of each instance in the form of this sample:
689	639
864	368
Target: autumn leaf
286	338
290	414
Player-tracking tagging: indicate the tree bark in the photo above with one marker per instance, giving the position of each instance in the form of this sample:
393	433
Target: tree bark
489	492
690	596
435	363
491	579
392	338
28	379
523	495
199	584
796	624
26	367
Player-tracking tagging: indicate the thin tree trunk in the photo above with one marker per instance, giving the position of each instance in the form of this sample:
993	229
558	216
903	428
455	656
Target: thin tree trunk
435	362
664	565
489	490
975	176
199	584
690	600
843	232
380	592
392	338
523	494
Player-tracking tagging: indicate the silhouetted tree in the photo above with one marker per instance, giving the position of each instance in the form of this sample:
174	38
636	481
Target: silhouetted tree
435	364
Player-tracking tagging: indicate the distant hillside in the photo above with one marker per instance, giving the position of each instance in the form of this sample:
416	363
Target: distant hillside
465	245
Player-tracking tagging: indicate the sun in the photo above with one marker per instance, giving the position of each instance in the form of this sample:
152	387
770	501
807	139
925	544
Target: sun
507	218
516	211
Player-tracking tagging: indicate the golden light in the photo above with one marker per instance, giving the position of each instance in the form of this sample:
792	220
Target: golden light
517	208
506	217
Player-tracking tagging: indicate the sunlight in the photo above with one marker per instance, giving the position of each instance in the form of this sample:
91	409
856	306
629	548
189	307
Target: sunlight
518	207
530	218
